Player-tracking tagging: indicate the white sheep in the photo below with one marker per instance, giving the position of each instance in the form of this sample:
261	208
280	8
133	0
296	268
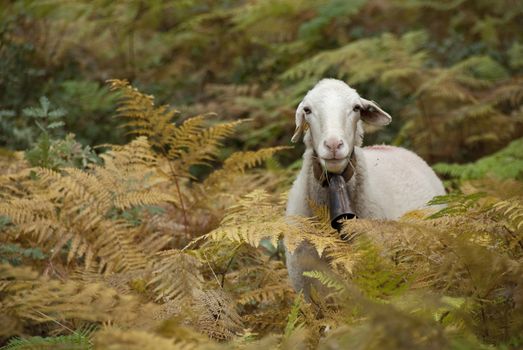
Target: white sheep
385	181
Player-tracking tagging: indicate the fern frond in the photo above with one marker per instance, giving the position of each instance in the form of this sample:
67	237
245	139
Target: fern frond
512	210
137	152
72	208
145	118
21	210
326	280
141	198
456	203
267	294
510	93
251	234
29	298
387	58
217	315
504	164
199	148
76	341
292	322
256	217
175	275
238	162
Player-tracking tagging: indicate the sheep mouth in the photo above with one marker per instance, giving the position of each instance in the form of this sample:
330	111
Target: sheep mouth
334	165
334	160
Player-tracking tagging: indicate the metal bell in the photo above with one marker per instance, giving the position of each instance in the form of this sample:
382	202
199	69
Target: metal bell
339	202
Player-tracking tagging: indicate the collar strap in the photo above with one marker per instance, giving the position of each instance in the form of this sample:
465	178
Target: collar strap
323	176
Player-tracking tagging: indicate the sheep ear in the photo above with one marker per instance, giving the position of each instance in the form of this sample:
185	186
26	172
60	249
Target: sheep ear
371	113
300	123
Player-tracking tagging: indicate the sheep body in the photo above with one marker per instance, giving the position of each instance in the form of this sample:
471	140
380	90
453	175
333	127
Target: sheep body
387	182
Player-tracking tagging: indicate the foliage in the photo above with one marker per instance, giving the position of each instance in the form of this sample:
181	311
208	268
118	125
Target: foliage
92	254
175	238
14	254
449	73
504	164
76	341
49	149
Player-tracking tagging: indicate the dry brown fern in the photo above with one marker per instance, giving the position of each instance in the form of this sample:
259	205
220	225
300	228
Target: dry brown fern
176	275
193	142
181	146
72	209
29	299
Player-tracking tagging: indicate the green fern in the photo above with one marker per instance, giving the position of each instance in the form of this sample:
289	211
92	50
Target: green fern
326	280
504	164
79	340
293	320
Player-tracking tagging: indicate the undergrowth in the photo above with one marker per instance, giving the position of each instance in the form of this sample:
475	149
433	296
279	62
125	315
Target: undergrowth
138	251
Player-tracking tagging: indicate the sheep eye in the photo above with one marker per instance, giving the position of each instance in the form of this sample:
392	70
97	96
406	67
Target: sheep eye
356	108
307	110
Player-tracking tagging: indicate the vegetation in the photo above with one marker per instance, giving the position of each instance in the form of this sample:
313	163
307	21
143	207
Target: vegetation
128	224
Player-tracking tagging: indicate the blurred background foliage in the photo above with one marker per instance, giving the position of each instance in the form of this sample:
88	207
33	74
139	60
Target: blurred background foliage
449	72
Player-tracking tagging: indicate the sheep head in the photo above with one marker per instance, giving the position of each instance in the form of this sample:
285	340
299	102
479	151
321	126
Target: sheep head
334	111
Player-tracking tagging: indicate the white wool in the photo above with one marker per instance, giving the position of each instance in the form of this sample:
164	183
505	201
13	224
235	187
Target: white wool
388	181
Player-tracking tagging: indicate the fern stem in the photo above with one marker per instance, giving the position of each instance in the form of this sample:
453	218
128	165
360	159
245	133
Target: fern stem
212	270
177	184
229	265
184	212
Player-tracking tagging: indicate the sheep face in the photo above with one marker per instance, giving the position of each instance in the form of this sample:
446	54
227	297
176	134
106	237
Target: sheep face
333	111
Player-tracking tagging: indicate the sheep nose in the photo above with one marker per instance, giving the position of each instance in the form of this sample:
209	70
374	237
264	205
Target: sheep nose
333	143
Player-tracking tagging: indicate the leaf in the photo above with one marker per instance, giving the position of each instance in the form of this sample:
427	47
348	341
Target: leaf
55	125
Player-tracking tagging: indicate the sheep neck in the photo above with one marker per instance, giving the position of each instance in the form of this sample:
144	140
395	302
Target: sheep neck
323	177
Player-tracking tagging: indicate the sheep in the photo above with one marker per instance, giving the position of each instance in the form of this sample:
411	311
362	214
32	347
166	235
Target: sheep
384	182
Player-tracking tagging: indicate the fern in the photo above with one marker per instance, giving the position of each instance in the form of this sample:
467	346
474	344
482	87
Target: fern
367	59
456	203
292	323
504	164
256	218
191	143
75	210
176	275
14	254
103	237
29	298
239	162
216	315
327	281
80	340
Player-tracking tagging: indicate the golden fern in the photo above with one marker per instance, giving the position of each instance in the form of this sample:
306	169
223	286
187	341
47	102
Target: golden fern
73	208
512	211
175	275
144	117
261	282
216	314
257	216
192	142
179	147
238	163
30	298
199	148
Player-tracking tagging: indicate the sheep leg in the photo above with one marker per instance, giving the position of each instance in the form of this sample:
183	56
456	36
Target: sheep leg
305	258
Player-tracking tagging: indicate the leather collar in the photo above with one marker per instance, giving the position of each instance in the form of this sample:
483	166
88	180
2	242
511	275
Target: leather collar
323	176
